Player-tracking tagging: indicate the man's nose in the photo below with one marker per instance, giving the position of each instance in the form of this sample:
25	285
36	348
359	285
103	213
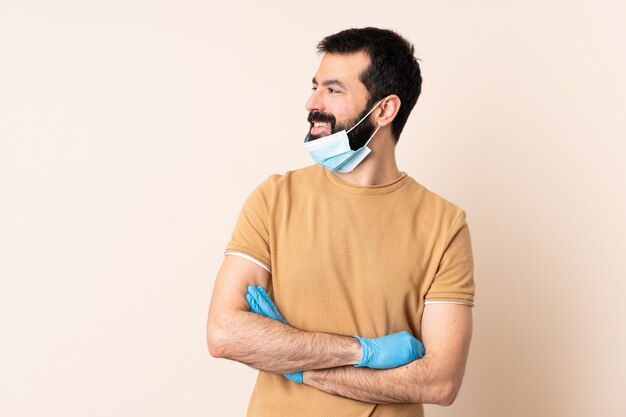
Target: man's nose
314	103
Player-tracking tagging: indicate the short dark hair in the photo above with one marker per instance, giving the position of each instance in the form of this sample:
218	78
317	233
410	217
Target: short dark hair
393	67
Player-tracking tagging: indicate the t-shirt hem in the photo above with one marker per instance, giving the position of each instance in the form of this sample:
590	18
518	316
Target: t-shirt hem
465	303
260	260
449	298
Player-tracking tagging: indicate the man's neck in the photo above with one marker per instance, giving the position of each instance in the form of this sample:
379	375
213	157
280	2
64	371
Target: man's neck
378	168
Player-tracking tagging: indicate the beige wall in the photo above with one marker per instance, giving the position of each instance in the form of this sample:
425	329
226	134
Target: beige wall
132	131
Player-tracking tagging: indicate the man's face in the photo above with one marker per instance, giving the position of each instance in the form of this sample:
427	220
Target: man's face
339	98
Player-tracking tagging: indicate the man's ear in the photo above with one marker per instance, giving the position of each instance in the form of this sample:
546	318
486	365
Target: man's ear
388	109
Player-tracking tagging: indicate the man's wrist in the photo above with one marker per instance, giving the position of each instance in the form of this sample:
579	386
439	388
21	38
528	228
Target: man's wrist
357	351
311	377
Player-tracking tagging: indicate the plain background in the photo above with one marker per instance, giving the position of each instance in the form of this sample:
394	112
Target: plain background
131	132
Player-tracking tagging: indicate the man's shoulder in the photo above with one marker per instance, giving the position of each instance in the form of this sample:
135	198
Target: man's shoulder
304	174
291	179
433	201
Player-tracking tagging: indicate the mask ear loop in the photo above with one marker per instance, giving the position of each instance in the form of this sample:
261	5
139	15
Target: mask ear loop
375	131
368	141
365	117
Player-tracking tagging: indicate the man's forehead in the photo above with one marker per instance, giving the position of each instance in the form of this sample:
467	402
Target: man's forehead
341	68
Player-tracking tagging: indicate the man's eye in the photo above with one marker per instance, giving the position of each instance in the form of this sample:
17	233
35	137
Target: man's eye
313	88
333	91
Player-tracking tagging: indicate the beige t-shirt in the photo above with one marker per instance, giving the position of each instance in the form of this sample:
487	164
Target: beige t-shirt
350	260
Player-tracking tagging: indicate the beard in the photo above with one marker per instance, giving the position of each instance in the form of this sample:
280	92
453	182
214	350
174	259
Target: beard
357	137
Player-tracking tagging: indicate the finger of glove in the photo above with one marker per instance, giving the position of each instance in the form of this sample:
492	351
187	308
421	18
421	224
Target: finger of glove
259	302
418	349
265	295
268	308
392	350
294	376
394	357
261	291
254	307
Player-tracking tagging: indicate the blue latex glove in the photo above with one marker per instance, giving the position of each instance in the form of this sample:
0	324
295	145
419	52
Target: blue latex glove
261	303
294	376
390	351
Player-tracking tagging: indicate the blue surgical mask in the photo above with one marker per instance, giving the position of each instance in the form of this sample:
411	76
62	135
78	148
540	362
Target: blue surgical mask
333	151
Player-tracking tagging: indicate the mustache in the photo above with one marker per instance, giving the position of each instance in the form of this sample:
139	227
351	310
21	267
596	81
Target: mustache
317	116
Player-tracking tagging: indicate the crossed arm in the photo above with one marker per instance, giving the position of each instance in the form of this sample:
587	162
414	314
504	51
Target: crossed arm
235	333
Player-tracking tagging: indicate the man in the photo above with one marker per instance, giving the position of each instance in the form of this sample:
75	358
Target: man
360	260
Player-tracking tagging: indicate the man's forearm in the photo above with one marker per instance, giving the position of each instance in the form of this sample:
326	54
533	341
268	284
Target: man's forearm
434	379
269	345
412	383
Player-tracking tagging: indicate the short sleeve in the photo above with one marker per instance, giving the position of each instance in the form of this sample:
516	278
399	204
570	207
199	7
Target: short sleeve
454	280
250	237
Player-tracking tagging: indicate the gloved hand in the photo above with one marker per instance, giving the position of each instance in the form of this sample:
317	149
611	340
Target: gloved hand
261	303
390	351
